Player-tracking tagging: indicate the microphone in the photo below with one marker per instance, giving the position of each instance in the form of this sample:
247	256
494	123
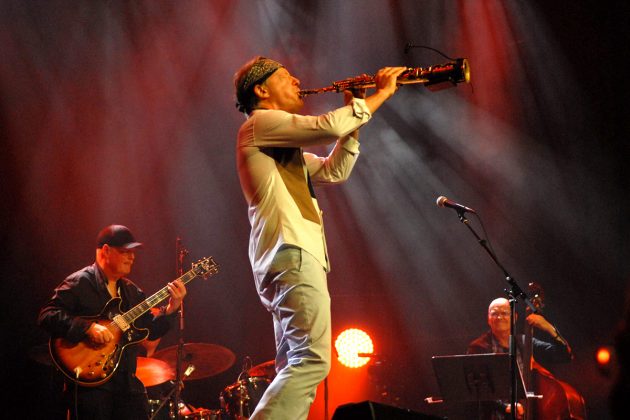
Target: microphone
445	202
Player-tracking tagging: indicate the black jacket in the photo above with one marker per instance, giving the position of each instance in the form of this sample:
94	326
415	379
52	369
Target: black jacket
85	293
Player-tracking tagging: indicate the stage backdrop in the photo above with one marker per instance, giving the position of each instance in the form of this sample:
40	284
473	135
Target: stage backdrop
123	112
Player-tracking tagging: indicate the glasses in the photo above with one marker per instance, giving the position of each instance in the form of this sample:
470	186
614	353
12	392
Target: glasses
504	314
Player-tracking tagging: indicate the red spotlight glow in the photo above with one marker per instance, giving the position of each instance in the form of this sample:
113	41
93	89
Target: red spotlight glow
603	356
349	344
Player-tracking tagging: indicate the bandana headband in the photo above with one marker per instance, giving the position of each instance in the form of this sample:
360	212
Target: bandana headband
259	71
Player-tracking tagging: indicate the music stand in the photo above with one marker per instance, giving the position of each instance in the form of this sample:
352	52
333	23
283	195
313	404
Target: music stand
474	377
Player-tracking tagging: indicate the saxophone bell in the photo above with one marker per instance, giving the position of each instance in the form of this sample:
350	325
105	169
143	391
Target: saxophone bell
449	75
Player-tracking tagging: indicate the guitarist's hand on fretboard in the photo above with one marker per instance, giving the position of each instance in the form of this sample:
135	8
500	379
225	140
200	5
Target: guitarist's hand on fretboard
99	333
177	290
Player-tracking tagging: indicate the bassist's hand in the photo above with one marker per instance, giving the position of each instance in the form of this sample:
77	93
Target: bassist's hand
538	321
99	333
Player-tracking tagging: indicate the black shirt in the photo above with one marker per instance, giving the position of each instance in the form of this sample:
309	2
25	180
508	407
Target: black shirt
84	293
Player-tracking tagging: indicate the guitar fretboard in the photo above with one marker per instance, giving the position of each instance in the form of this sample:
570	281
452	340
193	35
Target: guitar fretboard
205	267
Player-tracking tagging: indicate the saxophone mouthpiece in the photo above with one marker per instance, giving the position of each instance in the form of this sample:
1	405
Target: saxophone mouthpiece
306	92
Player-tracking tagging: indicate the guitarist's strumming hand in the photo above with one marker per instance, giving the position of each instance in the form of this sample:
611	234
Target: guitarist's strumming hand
177	291
99	333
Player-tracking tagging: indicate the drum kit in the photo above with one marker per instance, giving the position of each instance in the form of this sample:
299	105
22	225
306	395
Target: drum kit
200	361
237	400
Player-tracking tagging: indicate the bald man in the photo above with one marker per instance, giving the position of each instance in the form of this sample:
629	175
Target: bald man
496	340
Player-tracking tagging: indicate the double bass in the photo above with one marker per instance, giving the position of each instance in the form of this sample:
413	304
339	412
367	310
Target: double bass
554	399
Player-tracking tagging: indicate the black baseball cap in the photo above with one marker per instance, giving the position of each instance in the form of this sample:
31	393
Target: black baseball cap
118	236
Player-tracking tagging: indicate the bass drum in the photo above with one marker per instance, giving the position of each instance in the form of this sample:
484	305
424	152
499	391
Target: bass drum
239	400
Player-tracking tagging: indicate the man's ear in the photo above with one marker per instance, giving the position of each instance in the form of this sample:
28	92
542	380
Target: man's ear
261	91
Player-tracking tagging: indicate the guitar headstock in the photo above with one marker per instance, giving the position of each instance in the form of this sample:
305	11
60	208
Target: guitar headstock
205	267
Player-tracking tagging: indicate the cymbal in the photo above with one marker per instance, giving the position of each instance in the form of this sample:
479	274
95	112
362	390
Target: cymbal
267	369
153	372
207	359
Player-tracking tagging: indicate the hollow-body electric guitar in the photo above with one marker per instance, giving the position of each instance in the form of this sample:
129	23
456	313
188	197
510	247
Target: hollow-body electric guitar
91	364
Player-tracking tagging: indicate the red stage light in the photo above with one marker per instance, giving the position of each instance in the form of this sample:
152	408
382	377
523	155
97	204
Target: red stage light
350	344
603	356
606	360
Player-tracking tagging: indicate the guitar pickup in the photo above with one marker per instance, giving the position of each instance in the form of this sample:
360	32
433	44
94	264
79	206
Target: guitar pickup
122	324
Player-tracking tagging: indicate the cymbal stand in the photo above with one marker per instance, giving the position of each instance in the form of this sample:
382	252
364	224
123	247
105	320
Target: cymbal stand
175	392
243	377
169	396
181	253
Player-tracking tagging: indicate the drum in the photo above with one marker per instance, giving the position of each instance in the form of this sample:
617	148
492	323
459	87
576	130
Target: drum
204	414
160	413
167	412
241	398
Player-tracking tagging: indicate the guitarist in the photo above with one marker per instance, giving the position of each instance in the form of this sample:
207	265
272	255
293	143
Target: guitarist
85	294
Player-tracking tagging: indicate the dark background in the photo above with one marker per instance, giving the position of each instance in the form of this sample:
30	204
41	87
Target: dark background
123	112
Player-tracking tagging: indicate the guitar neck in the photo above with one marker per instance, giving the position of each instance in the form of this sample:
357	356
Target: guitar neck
159	296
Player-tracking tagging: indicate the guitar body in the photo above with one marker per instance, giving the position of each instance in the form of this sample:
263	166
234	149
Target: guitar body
92	364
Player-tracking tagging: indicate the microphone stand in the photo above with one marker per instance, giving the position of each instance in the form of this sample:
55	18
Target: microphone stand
181	253
326	398
514	293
